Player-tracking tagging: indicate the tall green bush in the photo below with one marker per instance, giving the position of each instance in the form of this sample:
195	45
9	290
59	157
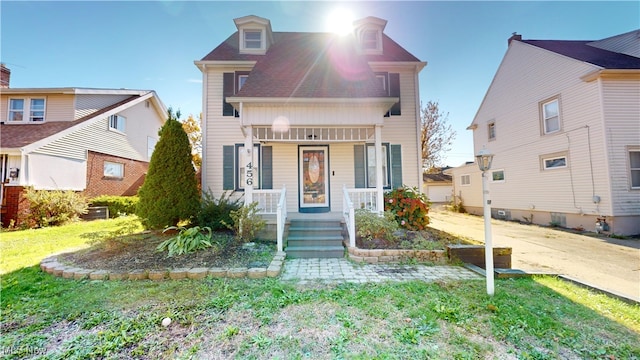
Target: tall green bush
118	205
52	207
170	193
214	213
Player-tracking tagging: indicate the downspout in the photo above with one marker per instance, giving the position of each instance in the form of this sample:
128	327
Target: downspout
203	126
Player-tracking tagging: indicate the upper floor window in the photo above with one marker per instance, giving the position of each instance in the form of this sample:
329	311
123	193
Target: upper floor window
34	107
391	84
550	116
242	78
117	122
253	39
465	180
634	168
370	40
492	130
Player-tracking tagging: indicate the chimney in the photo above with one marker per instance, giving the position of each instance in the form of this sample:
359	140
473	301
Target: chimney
5	76
514	36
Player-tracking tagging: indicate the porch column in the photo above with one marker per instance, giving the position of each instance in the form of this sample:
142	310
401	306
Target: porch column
379	176
249	178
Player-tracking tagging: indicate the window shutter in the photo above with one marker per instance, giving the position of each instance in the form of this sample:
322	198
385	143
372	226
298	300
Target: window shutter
396	166
227	167
394	91
267	167
359	166
227	90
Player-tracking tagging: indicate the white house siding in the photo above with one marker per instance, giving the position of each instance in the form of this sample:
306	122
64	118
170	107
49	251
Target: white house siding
622	130
141	122
87	104
70	174
471	194
58	107
626	43
526	77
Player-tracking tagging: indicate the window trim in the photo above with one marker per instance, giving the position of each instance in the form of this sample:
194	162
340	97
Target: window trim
117	129
493	180
12	110
32	111
491	130
554	156
387	173
364	42
120	166
243	40
544	118
632	149
27	110
462	177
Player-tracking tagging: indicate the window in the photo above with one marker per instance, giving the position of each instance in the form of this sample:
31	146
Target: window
492	131
234	167
634	166
113	170
241	80
151	145
16	109
371	166
370	40
34	108
382	78
391	83
550	116
251	168
465	180
253	39
497	176
554	162
231	84
117	122
37	110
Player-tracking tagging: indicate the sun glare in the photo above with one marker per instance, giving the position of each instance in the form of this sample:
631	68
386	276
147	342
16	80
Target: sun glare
340	21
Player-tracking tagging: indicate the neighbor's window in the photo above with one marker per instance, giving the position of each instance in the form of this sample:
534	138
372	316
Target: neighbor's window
465	180
36	112
16	109
634	166
550	116
113	170
497	176
555	162
117	122
253	39
371	166
492	130
151	145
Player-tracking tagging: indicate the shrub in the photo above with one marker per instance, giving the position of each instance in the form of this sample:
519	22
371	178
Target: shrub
53	207
409	206
118	205
187	241
246	223
214	213
456	205
170	192
370	225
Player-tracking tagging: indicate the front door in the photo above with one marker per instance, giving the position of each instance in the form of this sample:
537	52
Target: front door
313	178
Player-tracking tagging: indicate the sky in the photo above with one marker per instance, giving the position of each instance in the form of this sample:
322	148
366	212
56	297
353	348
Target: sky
152	45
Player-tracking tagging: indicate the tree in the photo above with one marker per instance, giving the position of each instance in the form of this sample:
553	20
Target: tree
436	135
170	193
191	126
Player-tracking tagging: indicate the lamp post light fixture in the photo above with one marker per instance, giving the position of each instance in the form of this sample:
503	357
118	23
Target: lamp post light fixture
484	158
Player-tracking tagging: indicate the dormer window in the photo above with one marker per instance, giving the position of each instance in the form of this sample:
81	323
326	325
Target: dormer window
369	34
370	40
253	39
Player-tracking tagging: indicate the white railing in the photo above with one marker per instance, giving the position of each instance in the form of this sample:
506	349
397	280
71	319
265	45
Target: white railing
364	199
281	217
349	216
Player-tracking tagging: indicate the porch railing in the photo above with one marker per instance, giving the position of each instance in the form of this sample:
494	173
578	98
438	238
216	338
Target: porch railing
272	202
349	216
356	199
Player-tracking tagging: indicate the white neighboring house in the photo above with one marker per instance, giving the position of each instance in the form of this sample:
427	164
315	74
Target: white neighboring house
94	141
563	120
312	121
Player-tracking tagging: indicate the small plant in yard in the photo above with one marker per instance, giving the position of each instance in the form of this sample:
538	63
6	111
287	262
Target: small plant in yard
246	223
214	211
371	226
52	207
409	206
118	205
187	241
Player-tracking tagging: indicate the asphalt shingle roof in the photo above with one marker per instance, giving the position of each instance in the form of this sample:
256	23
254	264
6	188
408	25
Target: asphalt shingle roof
581	50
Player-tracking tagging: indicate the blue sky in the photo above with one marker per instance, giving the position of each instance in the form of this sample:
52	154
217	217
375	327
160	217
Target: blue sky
152	45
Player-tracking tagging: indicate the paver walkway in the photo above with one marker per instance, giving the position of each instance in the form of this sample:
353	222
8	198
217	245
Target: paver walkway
305	271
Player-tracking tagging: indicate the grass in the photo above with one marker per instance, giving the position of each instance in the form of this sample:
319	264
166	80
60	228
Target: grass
45	317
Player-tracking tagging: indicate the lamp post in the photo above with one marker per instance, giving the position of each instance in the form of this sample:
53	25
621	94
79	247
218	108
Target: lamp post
484	158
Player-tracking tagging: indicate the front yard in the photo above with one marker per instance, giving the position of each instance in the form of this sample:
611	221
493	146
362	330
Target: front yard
53	318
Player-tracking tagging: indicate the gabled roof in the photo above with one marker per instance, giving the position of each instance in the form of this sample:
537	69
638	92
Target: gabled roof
584	51
437	178
311	65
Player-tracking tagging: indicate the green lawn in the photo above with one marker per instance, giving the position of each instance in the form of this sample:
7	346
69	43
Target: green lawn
46	317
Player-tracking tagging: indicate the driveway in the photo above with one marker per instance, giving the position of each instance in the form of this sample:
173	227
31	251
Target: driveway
610	264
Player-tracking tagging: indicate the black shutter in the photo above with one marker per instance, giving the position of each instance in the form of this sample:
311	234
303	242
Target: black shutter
228	168
396	166
267	167
227	90
359	168
394	91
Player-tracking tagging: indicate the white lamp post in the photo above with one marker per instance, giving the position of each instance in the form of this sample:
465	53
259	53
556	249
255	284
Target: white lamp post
484	158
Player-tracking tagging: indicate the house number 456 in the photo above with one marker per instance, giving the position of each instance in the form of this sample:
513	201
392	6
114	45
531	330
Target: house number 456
249	174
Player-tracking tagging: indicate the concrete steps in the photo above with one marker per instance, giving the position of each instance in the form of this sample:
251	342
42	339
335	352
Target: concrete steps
315	239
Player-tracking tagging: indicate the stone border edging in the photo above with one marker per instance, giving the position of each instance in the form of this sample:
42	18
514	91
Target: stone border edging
375	256
51	265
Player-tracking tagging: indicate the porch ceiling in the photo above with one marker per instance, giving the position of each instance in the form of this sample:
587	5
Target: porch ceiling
314	134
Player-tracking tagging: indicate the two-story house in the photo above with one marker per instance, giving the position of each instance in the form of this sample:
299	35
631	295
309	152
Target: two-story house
563	120
94	141
315	122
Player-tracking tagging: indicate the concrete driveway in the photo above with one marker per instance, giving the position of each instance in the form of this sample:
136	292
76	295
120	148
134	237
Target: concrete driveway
609	264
